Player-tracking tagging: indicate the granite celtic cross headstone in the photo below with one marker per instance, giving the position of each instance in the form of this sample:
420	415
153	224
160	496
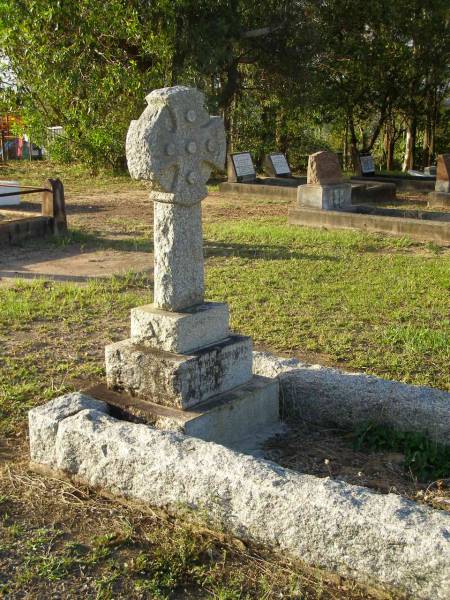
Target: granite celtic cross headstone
174	145
181	352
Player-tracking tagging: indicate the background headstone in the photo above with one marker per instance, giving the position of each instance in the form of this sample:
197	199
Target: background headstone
367	165
324	169
241	168
443	173
325	188
276	165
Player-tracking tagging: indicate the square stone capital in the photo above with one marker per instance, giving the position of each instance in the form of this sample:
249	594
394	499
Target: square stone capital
180	332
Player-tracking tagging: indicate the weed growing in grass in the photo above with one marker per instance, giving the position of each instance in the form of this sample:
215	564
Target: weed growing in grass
426	459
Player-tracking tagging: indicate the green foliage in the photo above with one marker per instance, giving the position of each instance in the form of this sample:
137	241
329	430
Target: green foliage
281	73
426	459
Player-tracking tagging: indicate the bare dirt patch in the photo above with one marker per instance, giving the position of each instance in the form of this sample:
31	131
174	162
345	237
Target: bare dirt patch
73	264
326	452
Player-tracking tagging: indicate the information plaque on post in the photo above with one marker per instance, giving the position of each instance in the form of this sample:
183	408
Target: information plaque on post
276	165
367	165
241	167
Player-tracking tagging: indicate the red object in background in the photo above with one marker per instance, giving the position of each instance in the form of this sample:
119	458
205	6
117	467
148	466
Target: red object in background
20	147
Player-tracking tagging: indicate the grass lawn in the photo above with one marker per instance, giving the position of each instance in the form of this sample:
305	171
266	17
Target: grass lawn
370	303
363	302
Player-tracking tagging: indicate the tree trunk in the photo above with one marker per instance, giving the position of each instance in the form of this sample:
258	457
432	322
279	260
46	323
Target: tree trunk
408	161
390	154
354	147
281	139
345	149
227	100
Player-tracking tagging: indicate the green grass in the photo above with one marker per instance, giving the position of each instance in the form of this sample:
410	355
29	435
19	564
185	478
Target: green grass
76	177
370	303
52	334
117	552
425	458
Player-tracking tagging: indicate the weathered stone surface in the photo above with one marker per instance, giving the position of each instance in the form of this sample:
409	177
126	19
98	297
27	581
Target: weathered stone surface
383	539
443	173
43	422
325	197
178	256
330	397
236	418
175	144
439	199
180	332
324	169
179	380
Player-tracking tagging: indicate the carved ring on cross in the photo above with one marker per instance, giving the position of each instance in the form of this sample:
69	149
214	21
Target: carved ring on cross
175	144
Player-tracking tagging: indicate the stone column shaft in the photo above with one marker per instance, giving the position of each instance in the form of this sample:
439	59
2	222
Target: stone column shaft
179	263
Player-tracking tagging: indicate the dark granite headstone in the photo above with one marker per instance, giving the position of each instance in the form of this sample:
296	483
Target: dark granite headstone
241	168
276	165
367	165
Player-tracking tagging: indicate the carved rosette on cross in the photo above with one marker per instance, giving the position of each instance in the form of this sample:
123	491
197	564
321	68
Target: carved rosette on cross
173	146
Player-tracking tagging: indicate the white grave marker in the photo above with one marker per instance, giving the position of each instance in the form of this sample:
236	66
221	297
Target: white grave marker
9	187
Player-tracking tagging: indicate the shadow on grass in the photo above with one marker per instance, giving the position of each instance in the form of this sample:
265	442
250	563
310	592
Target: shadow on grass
261	252
211	248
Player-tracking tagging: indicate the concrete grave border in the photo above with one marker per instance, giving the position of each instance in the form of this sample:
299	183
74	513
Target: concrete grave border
376	539
332	397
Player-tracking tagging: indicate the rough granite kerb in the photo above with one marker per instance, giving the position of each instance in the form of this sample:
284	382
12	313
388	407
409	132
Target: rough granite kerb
381	539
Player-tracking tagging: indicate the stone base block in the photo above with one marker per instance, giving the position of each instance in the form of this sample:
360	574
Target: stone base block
326	197
231	419
442	186
439	199
180	380
180	332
